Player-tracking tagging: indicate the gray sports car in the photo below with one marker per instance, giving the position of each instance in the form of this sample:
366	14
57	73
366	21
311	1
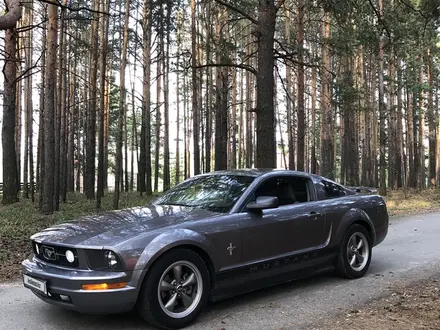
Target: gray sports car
213	236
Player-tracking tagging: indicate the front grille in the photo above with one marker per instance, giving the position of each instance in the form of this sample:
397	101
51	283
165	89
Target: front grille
55	254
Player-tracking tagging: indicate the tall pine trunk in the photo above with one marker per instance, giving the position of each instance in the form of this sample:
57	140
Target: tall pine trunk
382	111
121	111
266	142
195	92
49	111
327	121
102	71
145	142
301	89
10	166
89	181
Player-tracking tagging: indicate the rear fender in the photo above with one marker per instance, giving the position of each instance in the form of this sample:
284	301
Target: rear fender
352	216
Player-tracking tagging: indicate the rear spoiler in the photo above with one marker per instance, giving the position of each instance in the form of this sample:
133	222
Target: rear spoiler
368	190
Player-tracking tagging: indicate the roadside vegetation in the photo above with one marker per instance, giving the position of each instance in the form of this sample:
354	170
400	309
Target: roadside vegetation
19	221
411	201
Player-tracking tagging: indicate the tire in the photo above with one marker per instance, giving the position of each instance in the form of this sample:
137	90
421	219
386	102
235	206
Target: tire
354	257
174	305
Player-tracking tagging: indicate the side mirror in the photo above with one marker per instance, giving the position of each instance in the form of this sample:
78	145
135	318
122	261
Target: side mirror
264	202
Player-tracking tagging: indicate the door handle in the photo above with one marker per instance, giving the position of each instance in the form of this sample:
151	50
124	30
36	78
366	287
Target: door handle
314	214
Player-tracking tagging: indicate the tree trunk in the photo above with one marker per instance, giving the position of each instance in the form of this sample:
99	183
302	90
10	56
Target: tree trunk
432	124
289	99
186	130
64	110
249	110
121	112
266	142
327	120
10	168
18	106
392	120
241	143
313	160
72	125
301	110
421	176
89	181
58	114
382	112
195	91
179	42
412	179
30	106
166	142
145	143
49	111
40	156
27	96
105	4
399	131
374	122
221	109
158	123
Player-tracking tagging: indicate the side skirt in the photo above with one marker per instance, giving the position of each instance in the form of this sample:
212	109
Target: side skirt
257	276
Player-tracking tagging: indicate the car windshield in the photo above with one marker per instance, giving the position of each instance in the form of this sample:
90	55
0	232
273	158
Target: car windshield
217	193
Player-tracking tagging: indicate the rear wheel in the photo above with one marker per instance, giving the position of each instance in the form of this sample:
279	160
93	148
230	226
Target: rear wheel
175	290
355	251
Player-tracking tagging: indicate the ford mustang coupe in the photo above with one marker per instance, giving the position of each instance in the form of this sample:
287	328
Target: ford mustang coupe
211	237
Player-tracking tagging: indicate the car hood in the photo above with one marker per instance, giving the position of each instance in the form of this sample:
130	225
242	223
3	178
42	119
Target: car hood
111	228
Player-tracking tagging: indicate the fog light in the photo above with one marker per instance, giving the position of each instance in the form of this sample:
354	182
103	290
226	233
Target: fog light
104	286
70	256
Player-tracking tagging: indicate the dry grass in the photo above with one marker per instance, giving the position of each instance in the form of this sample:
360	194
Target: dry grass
413	201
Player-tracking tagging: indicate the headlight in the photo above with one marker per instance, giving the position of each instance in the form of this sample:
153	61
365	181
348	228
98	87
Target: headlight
104	260
111	259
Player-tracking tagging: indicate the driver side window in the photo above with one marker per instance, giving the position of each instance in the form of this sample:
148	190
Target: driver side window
288	190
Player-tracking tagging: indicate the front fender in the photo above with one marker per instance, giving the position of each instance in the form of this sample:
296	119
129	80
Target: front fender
165	242
351	216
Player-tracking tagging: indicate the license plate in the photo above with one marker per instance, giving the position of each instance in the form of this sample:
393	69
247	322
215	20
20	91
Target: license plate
34	283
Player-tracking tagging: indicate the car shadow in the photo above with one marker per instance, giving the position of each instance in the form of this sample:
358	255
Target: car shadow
215	311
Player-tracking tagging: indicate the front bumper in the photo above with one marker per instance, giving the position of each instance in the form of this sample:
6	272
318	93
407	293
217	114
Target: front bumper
64	288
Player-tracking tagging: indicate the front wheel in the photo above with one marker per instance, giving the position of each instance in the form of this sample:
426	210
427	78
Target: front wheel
175	290
355	252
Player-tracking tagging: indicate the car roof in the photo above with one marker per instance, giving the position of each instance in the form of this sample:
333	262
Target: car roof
256	172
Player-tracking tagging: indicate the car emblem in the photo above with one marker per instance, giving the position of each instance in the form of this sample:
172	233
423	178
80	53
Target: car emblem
230	248
49	253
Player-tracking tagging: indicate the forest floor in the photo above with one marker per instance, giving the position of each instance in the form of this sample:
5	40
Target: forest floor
408	308
412	202
19	221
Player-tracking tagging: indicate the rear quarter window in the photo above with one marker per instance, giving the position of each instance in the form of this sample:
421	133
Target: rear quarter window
333	190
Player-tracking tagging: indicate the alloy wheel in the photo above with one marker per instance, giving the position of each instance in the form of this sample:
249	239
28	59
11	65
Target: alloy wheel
358	251
180	289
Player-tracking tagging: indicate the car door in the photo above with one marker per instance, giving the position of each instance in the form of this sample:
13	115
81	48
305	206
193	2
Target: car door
298	224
